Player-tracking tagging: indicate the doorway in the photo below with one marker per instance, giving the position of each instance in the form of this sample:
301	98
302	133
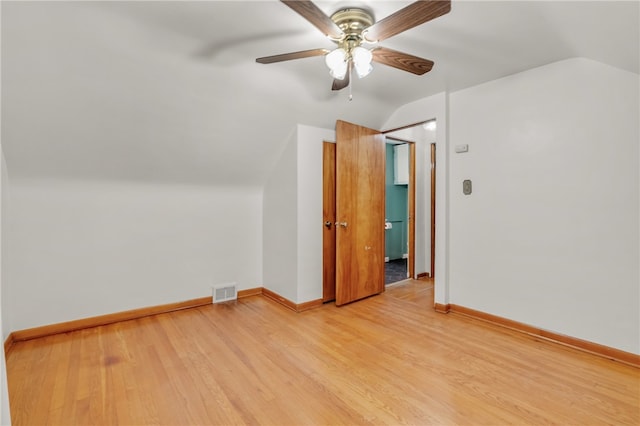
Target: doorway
399	214
423	137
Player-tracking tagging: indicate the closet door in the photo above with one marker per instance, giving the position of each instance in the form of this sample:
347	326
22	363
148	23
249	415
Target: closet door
329	220
360	208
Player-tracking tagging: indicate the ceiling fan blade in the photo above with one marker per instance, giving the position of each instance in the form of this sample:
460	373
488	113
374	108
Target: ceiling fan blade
402	61
293	55
315	16
340	84
411	16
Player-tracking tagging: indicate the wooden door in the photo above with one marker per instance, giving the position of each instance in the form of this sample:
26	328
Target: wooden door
360	207
329	220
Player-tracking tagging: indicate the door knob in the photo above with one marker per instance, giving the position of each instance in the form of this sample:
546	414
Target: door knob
343	224
327	224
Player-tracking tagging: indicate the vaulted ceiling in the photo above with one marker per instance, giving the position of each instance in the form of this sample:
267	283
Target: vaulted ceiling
171	92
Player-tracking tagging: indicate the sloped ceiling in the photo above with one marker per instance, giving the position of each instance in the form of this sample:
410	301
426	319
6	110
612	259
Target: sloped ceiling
170	91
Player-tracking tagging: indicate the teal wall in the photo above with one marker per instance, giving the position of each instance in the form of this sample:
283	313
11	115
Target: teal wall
396	212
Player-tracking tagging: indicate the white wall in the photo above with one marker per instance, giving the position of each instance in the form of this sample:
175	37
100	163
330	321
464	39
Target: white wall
310	218
78	249
425	138
433	107
549	236
280	216
4	236
293	218
5	417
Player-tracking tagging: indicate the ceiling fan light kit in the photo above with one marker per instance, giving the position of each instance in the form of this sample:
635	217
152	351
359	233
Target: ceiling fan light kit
336	60
352	27
362	58
339	60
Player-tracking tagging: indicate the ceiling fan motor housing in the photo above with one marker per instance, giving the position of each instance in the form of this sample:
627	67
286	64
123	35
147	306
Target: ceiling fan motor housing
352	22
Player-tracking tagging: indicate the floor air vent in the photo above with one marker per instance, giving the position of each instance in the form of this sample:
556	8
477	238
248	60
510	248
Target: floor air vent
224	292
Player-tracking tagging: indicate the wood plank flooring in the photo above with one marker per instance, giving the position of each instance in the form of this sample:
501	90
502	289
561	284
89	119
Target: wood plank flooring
388	359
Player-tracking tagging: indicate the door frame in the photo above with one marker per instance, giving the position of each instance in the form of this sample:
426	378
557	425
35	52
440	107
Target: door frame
432	206
411	207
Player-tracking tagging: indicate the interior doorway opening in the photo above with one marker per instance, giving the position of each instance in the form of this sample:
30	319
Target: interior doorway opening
399	188
422	136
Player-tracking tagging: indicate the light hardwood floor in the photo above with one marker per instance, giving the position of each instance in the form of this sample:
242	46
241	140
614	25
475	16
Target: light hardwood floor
389	359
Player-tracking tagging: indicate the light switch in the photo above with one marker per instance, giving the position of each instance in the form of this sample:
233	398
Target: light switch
466	186
462	148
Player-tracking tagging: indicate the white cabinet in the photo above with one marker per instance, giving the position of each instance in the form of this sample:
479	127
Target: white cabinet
401	164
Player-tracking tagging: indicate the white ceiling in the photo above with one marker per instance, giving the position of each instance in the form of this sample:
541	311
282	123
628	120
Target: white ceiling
170	91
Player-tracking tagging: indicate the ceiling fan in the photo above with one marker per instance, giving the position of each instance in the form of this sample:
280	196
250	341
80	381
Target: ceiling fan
351	28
